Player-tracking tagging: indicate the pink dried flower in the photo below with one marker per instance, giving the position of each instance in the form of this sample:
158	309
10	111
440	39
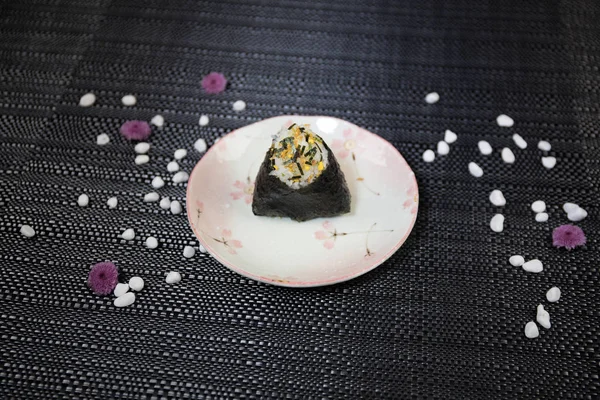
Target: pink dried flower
568	236
103	278
214	83
135	130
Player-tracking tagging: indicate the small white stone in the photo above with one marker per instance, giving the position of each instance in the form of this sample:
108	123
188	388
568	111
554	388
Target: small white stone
497	223
121	289
428	155
577	215
112	202
142	147
432	98
27	231
449	136
504	121
203	120
136	283
83	200
202	249
158	182
173	166
176	207
549	162
141	159
542	317
180	154
151	197
173	277
508	156
484	147
544	145
531	330
553	295
128	100
128	234
475	170
497	198
516	261
443	148
538	206
541	217
158	120
87	100
534	266
239	105
165	203
180	177
151	242
200	145
189	251
102	139
125	300
519	141
569	207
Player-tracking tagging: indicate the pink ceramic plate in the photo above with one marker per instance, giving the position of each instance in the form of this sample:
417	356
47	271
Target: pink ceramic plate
280	251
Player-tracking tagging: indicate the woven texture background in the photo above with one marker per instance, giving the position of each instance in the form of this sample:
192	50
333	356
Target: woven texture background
443	318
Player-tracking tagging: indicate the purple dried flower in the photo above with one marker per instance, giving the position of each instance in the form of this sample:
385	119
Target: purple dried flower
135	130
214	83
103	278
568	236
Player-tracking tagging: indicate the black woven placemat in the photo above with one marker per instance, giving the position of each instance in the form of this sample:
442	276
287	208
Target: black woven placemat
443	318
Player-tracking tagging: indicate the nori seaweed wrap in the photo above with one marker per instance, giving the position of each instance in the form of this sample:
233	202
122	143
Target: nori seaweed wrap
300	178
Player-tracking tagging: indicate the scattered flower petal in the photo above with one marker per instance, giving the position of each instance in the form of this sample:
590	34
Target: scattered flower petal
103	278
214	83
135	130
568	236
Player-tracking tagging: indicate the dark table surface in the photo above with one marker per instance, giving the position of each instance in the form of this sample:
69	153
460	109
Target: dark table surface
443	318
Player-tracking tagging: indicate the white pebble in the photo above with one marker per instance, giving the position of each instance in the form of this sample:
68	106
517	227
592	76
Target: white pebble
200	145
497	198
544	145
142	147
549	162
497	223
504	121
173	277
577	215
428	156
151	242
568	207
541	217
125	300
516	261
136	283
173	166
176	207
508	156
112	202
180	154
87	100
519	141
432	98
128	234
553	295
239	105
531	330
151	197
542	317
102	139
83	200
165	203
443	148
484	147
475	170
142	159
534	266
538	206
158	120
158	182
27	231
189	251
128	100
180	177
203	120
449	136
202	249
121	289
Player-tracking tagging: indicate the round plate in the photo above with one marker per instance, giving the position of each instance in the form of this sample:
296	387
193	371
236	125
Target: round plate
280	251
